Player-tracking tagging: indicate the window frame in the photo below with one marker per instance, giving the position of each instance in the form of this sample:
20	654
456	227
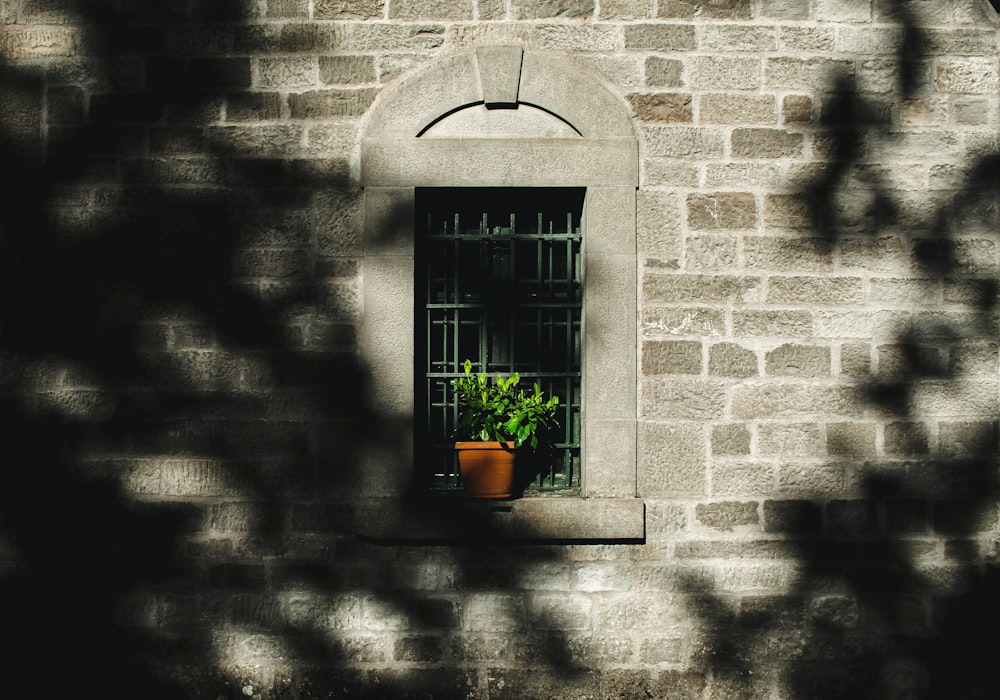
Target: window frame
603	160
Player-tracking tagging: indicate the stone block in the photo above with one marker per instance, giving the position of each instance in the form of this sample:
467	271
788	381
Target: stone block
684	142
792	517
662	107
812	480
773	324
743	479
599	651
815	290
766	143
976	439
803	73
657	322
710	252
724	72
727	515
559	611
287	8
789	439
787	211
794	360
673	288
743	174
797	109
905	438
324	104
285	72
732	360
851	439
544	9
976	76
722	210
382	36
685	399
780	253
844	10
253	106
423	648
346	70
723	37
664	72
736	108
854	517
658	224
39	41
493	612
671	357
348	9
794	399
855	359
784	9
672	459
430	9
730	439
626	9
660	37
704	9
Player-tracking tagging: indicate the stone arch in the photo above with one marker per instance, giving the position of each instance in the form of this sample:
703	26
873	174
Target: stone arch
499	77
515	91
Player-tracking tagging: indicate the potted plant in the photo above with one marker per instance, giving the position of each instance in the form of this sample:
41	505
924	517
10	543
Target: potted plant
498	417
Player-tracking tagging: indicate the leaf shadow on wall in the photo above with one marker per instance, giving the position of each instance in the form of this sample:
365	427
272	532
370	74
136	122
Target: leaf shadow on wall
896	585
158	386
184	410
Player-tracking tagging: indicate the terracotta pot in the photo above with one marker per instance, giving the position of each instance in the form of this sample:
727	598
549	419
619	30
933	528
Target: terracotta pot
487	469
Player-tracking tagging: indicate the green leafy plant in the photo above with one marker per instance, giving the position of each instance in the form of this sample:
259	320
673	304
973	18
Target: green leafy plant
502	411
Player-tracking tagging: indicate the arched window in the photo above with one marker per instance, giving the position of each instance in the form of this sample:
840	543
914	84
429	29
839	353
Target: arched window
496	119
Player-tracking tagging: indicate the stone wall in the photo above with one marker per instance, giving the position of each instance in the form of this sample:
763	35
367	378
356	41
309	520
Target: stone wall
188	416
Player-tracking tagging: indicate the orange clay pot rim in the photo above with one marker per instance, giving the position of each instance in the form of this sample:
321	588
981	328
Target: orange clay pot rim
480	445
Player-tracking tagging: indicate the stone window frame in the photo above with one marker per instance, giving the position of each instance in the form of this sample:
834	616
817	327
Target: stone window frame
603	158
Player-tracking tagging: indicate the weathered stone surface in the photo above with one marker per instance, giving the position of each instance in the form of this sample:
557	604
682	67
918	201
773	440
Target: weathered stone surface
665	72
714	9
542	9
670	288
710	252
854	439
722	210
662	107
789	439
686	399
430	9
346	69
797	109
736	108
815	290
766	143
660	37
731	360
724	72
727	515
672	458
730	439
323	104
348	9
773	324
794	360
671	357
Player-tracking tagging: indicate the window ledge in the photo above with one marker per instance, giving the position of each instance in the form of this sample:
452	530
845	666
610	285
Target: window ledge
524	519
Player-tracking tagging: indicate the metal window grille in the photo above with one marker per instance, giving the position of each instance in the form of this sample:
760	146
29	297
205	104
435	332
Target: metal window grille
499	271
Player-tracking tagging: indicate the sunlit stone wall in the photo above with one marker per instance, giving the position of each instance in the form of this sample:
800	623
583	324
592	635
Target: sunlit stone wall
188	413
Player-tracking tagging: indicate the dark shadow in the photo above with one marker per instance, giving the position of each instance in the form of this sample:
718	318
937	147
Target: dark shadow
184	407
